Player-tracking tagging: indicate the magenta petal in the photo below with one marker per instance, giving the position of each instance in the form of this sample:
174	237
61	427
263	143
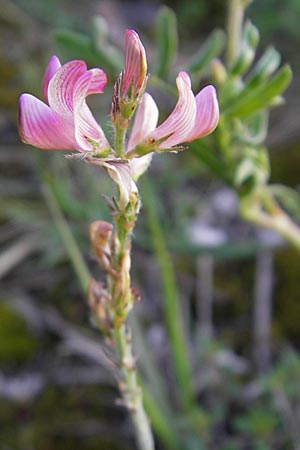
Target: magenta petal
145	121
53	66
89	135
181	120
42	127
207	116
62	85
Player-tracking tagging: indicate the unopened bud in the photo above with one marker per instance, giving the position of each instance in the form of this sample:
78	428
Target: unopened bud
135	73
99	300
131	83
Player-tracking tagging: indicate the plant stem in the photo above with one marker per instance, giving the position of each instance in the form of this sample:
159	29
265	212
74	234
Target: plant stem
235	19
119	284
267	213
120	133
130	389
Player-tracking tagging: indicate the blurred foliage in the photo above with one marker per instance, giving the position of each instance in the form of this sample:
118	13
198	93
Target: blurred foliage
17	344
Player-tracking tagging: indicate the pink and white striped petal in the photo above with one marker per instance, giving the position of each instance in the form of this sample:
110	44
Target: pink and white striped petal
53	66
98	81
181	120
44	128
135	64
145	121
89	134
207	116
62	85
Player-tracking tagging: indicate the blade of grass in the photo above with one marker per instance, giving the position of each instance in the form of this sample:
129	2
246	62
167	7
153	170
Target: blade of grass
69	241
172	311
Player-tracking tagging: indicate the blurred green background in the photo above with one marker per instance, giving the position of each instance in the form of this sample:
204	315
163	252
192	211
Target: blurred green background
56	391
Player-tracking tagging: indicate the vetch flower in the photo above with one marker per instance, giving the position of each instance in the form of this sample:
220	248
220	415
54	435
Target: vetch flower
65	122
192	118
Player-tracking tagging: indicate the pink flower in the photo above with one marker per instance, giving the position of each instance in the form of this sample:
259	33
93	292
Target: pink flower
192	118
65	122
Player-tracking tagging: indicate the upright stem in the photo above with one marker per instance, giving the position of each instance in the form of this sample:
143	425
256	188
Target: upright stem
270	215
119	141
122	299
131	391
234	29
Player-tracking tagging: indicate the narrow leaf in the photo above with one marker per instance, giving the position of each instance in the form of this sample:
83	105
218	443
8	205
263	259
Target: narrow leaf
250	101
247	53
211	48
288	197
265	67
167	40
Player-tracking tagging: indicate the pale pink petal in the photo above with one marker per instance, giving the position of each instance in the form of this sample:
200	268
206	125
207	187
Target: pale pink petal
181	120
145	121
62	85
135	63
139	165
42	127
53	66
207	116
120	174
88	132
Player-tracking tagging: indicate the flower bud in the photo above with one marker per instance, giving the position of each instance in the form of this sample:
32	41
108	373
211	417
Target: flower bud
99	301
131	83
100	234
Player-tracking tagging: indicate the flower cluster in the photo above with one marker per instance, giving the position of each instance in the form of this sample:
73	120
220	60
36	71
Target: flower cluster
65	122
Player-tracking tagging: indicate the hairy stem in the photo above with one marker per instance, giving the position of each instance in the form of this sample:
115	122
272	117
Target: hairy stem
130	389
120	134
122	299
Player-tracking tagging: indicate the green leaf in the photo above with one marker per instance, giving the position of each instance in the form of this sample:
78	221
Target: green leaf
211	48
254	166
167	40
79	46
288	197
253	130
207	156
264	68
251	100
249	43
76	46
